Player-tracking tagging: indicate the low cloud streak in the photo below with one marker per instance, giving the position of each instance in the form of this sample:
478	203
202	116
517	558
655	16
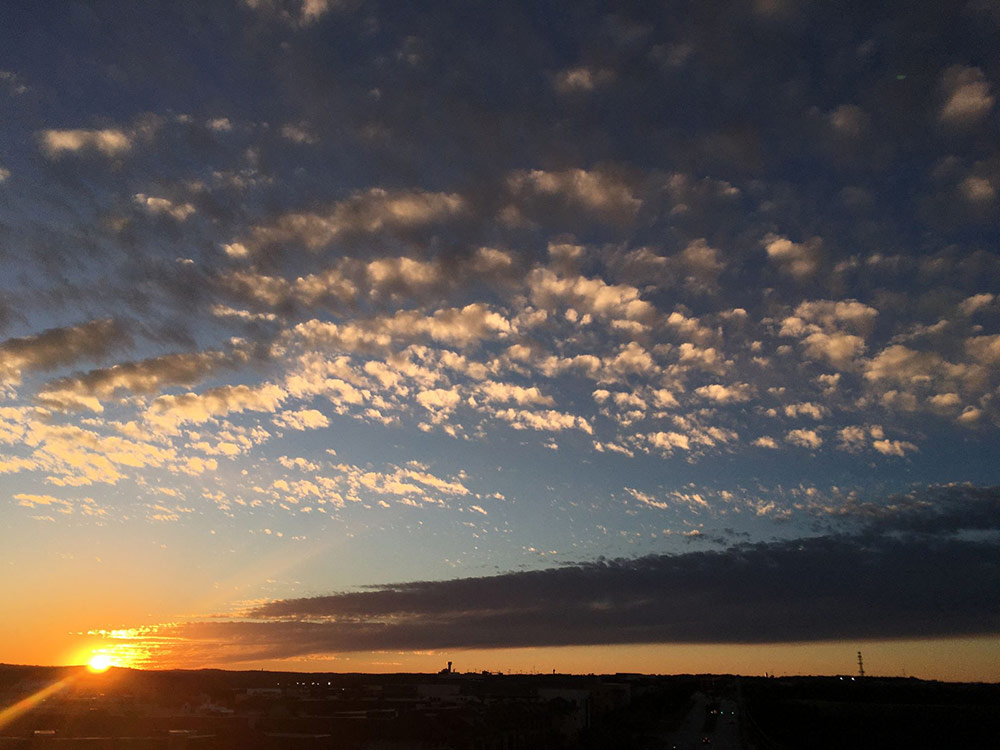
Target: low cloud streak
892	579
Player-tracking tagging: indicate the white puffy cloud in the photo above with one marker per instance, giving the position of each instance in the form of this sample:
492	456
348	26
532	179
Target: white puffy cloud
709	358
548	420
460	326
601	192
977	190
725	394
402	273
831	315
839	349
503	392
196	466
330	287
804	438
298	133
691	328
581	79
590	295
967	96
945	401
439	399
893	447
800	260
632	359
28	500
169	411
971	305
162	206
984	349
669	441
363	213
806	408
304	419
911	368
831	331
107	142
855	438
849	120
702	263
647	499
235	250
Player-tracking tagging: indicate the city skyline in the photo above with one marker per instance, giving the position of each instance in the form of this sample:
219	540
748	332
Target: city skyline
341	336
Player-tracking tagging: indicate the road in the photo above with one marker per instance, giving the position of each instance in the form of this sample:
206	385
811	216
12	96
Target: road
724	731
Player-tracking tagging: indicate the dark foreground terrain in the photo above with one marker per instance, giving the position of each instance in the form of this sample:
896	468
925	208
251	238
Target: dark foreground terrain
71	708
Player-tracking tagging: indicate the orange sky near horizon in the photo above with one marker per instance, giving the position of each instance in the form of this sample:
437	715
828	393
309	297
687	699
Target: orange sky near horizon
973	659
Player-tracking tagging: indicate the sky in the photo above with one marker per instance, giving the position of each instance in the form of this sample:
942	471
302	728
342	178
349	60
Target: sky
358	335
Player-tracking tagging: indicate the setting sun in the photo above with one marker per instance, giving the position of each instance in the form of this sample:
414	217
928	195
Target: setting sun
99	663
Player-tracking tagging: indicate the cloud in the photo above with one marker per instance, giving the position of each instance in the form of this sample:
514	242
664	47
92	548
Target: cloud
170	411
933	511
300	12
984	349
977	190
298	133
412	485
919	370
363	213
967	96
849	120
894	447
145	377
56	347
927	582
855	438
439	399
804	438
977	302
800	261
831	331
73	456
162	206
669	441
807	408
647	499
402	274
548	420
833	315
601	192
702	263
494	391
839	349
725	394
305	419
581	79
107	142
588	295
28	500
330	288
464	326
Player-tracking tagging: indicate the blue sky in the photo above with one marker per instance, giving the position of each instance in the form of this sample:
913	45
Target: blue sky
303	297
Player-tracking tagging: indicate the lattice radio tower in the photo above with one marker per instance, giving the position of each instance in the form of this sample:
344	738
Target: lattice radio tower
861	666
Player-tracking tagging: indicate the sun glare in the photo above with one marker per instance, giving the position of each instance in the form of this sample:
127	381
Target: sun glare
99	663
